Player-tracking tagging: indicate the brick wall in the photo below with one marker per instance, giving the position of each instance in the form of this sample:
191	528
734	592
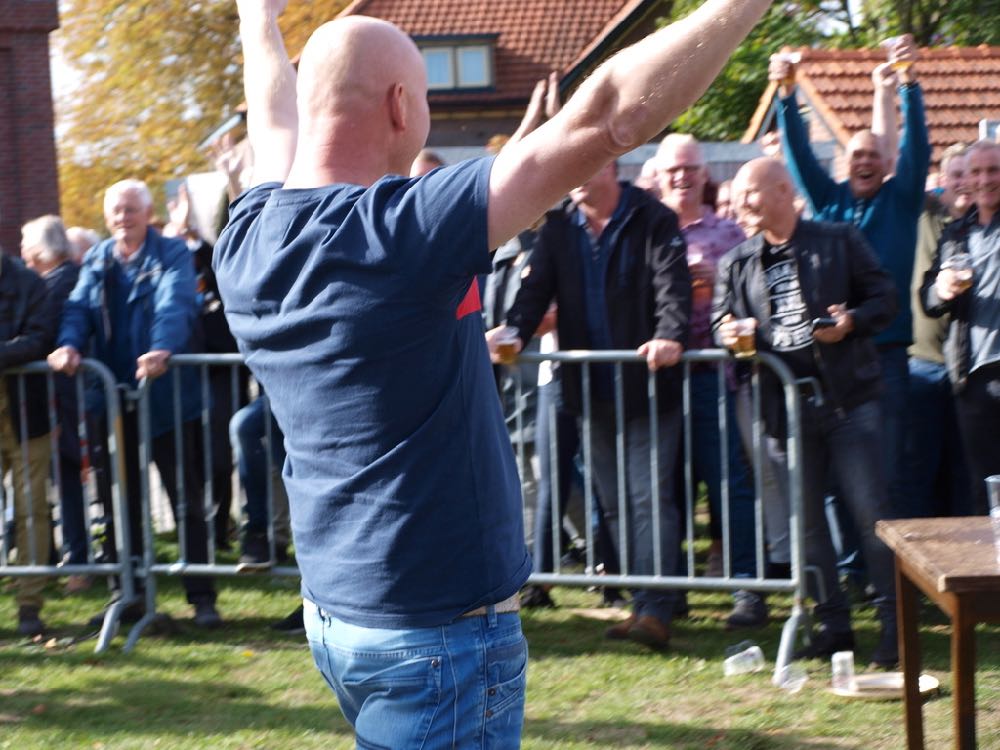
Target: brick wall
29	183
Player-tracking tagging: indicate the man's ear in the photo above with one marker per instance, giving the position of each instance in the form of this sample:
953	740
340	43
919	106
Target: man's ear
396	101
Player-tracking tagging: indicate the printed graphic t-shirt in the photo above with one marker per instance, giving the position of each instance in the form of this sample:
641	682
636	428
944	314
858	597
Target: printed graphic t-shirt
357	311
791	326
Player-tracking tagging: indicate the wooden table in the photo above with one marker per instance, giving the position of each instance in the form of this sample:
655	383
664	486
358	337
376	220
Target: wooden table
953	562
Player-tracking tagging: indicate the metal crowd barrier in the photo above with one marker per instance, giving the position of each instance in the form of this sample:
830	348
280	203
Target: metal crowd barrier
150	567
99	375
794	585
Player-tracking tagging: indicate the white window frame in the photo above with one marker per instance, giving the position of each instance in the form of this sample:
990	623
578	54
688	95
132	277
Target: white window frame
458	79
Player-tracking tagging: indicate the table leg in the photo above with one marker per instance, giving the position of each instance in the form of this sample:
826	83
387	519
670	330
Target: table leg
963	676
909	654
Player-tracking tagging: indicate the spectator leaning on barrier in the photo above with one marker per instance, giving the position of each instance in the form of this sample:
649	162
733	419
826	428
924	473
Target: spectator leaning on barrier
936	480
682	176
791	273
885	210
351	291
612	258
27	329
133	307
47	251
964	282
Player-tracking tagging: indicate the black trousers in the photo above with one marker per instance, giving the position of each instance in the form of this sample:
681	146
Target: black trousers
978	407
164	455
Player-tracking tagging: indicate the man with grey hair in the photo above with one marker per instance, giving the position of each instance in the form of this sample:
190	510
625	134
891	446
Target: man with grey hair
964	282
46	250
81	240
134	306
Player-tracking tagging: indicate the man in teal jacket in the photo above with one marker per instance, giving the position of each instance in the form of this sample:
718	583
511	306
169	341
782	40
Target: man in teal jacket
885	208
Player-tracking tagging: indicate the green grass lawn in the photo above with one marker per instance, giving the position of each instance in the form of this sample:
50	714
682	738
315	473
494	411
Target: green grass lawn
245	686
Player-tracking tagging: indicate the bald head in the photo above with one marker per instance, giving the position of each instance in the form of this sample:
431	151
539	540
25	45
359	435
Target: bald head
867	163
362	91
764	198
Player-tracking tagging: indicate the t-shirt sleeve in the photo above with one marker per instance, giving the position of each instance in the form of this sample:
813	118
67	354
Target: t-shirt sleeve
441	218
242	213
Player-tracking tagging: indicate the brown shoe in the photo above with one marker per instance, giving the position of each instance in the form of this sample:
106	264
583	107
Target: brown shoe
619	631
650	632
75	584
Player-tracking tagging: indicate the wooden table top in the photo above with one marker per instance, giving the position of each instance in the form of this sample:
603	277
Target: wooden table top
953	554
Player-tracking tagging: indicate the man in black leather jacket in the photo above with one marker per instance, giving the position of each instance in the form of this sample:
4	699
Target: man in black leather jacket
817	295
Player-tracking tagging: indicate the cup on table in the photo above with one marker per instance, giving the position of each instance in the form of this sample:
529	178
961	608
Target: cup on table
993	493
746	344
961	265
842	670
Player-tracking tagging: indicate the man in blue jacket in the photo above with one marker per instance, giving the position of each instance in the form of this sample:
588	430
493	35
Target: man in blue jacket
885	210
134	306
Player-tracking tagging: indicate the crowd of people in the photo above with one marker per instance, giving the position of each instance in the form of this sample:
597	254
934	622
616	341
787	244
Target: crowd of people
369	286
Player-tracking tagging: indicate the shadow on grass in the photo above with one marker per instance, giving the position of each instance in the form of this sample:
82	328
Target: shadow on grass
668	735
165	707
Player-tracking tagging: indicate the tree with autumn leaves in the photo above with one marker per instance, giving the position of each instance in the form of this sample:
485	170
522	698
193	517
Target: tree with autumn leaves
155	78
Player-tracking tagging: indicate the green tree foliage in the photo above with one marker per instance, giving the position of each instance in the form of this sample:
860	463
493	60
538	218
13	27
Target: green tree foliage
154	79
725	110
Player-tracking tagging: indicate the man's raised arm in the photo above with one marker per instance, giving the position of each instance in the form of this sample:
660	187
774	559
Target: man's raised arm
627	101
269	87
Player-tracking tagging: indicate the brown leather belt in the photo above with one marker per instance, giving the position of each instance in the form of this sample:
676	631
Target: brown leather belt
510	604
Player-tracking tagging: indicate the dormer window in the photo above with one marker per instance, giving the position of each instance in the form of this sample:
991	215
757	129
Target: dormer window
457	63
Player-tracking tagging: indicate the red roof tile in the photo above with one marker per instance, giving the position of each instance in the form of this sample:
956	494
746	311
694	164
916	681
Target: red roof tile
961	87
533	36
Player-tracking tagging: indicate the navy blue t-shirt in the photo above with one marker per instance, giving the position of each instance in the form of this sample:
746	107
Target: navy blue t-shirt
356	310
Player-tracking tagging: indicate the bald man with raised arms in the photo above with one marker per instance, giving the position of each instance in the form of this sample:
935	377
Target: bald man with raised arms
350	289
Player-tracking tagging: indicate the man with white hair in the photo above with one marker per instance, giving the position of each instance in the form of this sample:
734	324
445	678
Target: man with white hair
682	176
132	308
351	291
46	249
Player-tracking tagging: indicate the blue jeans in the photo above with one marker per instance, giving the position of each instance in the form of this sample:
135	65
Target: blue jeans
894	404
706	460
638	503
935	479
848	448
455	686
247	431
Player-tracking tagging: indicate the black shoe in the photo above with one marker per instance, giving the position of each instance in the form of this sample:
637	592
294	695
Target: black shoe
130	614
825	643
611	597
749	611
293	624
256	553
29	624
534	597
886	653
206	615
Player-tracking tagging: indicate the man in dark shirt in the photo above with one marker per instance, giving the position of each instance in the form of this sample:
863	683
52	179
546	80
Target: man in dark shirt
788	274
351	292
628	251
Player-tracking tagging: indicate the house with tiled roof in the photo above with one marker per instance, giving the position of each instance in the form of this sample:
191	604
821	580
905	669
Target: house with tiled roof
961	88
484	56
